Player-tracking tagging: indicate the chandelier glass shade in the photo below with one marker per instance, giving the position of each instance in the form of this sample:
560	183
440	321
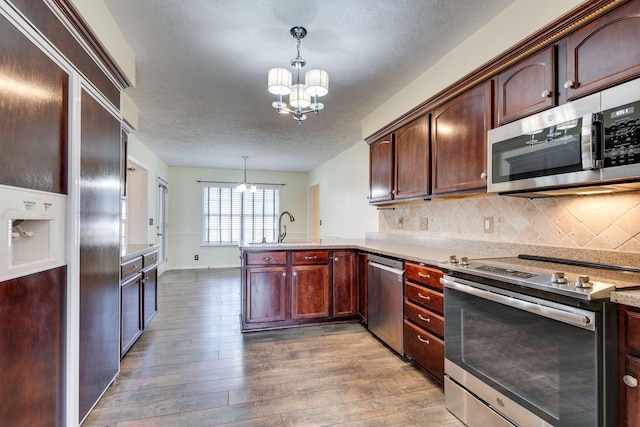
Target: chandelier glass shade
303	97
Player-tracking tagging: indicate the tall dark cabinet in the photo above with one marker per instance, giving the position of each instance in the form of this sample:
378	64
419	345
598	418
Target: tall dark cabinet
99	251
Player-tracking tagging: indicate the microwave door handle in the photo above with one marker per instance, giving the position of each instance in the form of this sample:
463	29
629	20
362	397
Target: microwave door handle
597	136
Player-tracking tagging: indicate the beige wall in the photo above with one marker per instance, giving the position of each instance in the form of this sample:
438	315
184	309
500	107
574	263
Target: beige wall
185	215
515	23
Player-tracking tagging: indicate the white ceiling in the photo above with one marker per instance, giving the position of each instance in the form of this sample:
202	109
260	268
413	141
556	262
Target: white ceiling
202	71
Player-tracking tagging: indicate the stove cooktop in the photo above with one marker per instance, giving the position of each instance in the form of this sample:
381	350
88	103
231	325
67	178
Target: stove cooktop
585	281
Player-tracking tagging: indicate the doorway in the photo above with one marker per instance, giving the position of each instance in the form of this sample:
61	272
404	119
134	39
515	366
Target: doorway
136	203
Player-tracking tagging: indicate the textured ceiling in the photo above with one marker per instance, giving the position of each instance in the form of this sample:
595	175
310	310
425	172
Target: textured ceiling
202	70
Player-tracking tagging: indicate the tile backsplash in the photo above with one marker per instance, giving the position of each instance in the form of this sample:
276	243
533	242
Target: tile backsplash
605	222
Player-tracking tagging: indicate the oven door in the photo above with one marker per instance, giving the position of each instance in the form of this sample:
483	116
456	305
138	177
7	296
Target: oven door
542	356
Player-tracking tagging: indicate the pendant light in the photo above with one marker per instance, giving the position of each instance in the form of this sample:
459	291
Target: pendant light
243	186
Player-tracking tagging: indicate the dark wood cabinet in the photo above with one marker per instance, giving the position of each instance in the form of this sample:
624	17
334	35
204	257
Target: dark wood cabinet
459	142
290	288
423	318
412	160
310	295
527	87
138	294
344	280
629	366
604	52
362	260
381	173
32	339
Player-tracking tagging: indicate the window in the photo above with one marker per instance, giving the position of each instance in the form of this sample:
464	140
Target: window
230	217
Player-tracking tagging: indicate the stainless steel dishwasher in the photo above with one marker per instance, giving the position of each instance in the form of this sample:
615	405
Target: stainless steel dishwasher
385	300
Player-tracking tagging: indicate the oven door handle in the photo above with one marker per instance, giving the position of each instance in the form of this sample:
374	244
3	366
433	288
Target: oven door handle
580	320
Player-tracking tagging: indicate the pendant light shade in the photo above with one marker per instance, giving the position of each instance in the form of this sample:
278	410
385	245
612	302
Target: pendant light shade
317	82
299	98
303	98
279	81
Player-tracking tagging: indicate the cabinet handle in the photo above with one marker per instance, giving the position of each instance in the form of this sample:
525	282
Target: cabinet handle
336	259
284	274
424	276
569	84
267	258
630	381
423	340
310	257
483	175
545	93
133	267
427	297
425	319
295	274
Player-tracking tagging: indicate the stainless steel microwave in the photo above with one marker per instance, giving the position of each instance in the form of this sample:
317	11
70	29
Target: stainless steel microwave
585	146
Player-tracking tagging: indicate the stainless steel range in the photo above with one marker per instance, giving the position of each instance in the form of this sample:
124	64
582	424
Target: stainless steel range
531	341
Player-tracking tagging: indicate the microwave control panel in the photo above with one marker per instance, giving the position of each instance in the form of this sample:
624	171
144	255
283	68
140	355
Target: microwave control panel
622	135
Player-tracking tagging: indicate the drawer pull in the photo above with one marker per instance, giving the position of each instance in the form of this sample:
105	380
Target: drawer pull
308	257
152	258
133	267
267	258
427	297
423	340
424	276
425	319
630	381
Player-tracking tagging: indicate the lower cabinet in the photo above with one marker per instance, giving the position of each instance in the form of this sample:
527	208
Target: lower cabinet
138	297
361	266
289	288
629	366
423	318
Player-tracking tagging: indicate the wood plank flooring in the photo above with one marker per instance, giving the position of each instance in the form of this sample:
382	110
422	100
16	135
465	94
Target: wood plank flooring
193	367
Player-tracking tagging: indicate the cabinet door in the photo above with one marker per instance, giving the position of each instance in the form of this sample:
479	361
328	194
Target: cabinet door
310	292
526	88
130	315
344	284
412	159
459	142
633	393
266	295
362	260
381	170
149	294
604	52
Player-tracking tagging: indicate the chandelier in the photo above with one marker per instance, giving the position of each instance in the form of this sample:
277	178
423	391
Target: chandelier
243	186
303	98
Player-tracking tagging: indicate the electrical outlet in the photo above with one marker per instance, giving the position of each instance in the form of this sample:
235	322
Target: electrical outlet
488	224
196	258
424	223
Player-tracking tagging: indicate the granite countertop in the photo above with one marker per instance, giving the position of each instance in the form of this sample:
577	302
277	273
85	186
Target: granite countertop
435	250
131	251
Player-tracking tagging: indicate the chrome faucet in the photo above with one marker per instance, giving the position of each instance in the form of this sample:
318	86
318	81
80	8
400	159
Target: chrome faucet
282	235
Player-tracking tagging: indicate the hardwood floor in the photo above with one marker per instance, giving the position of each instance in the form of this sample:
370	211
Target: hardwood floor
193	367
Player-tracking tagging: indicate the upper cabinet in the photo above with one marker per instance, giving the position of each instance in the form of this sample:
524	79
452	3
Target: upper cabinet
381	170
412	159
459	142
527	87
604	52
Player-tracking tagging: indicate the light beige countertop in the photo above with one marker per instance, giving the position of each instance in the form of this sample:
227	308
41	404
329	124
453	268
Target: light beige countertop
128	252
631	298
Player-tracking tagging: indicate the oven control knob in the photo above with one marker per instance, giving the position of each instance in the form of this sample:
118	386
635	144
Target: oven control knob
464	261
453	260
583	282
558	277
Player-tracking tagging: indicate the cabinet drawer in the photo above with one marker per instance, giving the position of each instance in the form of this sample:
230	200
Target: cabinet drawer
426	349
266	258
150	259
310	257
130	267
420	273
425	297
428	320
632	336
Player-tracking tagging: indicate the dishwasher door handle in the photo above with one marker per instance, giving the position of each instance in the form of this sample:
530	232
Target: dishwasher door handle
386	268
